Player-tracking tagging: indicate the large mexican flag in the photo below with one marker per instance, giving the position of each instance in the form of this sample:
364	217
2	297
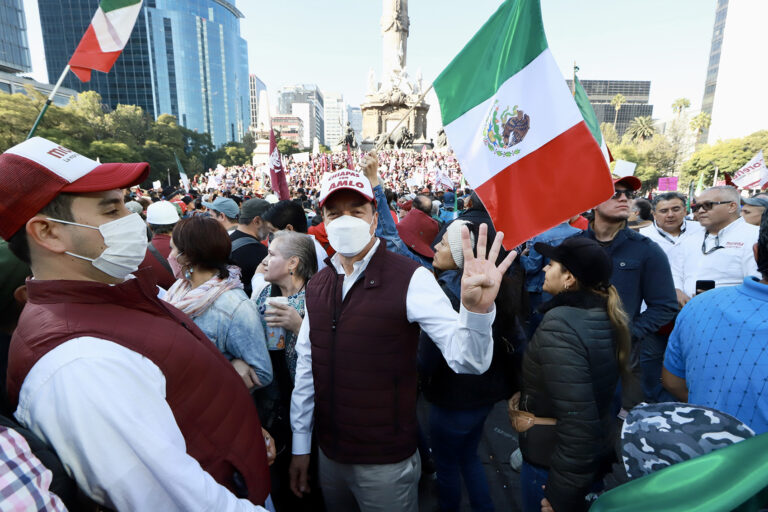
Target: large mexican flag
521	141
105	37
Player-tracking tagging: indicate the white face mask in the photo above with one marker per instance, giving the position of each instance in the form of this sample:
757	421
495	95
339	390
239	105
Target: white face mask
348	235
126	241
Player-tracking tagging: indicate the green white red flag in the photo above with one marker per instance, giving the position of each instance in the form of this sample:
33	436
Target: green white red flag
105	37
588	113
521	141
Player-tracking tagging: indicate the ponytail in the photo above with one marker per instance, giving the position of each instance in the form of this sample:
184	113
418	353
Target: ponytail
620	322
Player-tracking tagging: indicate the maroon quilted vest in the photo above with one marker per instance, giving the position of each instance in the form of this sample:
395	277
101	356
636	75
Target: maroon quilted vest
364	362
212	407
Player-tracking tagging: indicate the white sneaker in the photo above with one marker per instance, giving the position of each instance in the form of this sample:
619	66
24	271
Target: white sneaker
516	460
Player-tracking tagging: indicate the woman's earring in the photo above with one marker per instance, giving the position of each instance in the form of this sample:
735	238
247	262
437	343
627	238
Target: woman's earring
566	286
188	273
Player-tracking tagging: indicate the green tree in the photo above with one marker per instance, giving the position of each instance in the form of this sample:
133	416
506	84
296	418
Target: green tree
249	142
654	158
162	164
617	102
287	147
112	151
728	155
324	149
129	124
641	128
700	123
234	154
679	105
88	105
609	134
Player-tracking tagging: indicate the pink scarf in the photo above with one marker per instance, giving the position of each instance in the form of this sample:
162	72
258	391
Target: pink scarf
194	301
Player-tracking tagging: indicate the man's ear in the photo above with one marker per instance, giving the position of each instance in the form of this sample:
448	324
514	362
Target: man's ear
289	227
46	234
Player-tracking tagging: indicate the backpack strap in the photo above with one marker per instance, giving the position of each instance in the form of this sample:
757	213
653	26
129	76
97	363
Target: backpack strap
242	242
159	257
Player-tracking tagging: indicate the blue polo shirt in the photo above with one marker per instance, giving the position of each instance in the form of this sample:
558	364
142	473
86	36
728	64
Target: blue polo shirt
719	347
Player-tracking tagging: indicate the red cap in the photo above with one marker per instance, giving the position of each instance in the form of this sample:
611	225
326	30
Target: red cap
34	172
418	230
630	181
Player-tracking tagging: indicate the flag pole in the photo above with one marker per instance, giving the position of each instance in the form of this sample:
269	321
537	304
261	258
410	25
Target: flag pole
48	103
385	139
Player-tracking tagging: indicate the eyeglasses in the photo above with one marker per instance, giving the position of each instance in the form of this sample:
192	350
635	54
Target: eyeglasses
707	205
629	194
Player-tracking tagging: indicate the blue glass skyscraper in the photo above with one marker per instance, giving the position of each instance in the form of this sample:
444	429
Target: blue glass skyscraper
14	50
185	58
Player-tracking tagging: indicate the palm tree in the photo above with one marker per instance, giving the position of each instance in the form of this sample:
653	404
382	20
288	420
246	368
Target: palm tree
617	102
700	123
641	128
680	104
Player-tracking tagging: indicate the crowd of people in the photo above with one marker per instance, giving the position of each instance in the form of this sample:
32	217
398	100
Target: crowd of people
217	347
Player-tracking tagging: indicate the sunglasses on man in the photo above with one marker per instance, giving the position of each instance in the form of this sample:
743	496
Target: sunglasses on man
629	194
707	205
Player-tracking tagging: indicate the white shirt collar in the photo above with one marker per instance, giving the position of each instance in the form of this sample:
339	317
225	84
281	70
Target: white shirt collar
357	267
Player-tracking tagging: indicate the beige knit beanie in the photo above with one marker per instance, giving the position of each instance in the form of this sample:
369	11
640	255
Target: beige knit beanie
453	232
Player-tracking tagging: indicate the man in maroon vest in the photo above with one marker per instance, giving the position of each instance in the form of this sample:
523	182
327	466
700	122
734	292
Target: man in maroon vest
139	405
356	372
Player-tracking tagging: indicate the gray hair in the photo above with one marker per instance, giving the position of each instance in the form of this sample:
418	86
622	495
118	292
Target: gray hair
668	196
730	193
300	245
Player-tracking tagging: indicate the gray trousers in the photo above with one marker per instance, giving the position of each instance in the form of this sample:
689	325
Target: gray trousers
370	487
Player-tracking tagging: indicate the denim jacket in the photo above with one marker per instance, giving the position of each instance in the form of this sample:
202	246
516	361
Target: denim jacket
534	262
387	230
232	323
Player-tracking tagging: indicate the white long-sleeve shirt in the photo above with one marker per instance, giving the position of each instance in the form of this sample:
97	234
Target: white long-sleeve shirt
728	265
464	338
674	246
102	408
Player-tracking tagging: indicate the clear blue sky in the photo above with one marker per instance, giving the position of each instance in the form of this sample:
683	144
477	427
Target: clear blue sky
333	43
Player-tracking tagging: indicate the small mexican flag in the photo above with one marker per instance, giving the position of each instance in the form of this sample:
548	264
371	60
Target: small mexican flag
588	113
105	38
516	130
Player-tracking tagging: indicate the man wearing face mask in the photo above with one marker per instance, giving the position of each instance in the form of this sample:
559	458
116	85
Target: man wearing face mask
132	417
356	373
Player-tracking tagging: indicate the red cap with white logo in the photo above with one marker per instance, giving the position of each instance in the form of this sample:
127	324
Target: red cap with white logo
345	179
34	172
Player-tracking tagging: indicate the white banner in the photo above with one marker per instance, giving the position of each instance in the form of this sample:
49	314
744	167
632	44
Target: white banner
624	168
753	174
301	158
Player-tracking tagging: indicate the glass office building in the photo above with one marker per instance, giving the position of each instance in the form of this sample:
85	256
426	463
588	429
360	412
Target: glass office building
601	92
185	58
713	65
311	95
14	49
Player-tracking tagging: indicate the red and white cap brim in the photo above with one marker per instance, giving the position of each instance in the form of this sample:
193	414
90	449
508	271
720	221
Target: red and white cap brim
34	172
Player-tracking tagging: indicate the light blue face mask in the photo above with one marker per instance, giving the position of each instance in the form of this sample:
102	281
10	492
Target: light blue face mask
126	241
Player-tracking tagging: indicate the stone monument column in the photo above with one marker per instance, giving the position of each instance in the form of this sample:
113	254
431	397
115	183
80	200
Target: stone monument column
394	29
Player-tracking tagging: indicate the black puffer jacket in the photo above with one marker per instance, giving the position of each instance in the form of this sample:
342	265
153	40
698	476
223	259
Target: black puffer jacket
570	373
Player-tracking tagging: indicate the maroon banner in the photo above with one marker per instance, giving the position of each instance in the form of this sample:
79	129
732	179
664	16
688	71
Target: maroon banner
276	171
